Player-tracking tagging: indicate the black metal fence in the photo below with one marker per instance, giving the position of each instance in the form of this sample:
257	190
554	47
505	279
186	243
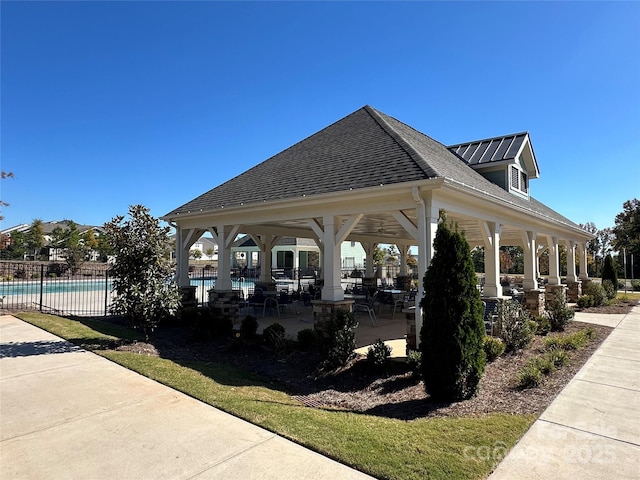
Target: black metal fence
54	288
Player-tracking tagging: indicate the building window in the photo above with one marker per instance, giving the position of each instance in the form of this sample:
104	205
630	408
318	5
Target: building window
523	182
349	262
518	180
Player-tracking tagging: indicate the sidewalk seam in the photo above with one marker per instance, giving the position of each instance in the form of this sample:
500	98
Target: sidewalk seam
233	455
586	380
589	432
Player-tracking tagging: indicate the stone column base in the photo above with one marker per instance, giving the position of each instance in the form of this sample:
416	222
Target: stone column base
534	301
188	294
412	335
574	290
225	303
323	310
550	290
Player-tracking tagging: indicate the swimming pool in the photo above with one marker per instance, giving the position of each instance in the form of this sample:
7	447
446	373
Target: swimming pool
53	286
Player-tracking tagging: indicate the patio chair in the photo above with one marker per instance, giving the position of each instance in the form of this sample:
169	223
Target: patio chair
401	301
271	302
490	315
367	306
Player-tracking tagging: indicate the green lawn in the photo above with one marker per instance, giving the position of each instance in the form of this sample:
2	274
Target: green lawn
447	448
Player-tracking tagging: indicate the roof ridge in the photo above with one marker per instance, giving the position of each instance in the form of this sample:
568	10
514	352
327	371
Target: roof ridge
487	139
399	139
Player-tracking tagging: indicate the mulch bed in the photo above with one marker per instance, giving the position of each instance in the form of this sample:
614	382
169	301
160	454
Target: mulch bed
395	392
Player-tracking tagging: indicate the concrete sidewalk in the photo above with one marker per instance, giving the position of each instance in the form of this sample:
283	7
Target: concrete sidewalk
66	413
592	429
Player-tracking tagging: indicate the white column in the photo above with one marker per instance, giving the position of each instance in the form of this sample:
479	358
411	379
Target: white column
491	236
554	261
530	281
182	260
332	289
427	214
404	254
368	248
265	243
582	254
224	235
572	276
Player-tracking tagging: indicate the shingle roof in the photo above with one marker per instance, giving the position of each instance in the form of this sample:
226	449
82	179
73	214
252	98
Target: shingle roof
364	149
355	152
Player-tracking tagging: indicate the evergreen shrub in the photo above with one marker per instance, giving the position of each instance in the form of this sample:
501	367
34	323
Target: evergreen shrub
515	327
493	347
453	331
597	293
248	327
558	312
339	340
610	273
307	339
378	354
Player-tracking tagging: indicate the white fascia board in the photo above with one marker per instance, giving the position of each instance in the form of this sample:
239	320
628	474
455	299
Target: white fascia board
482	205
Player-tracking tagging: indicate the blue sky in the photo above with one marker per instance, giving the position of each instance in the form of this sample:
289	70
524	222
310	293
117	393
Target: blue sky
108	104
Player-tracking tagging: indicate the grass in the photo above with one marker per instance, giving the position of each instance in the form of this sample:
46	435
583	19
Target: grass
451	448
627	296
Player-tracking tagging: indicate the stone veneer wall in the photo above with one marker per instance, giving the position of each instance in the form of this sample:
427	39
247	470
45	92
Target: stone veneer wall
323	310
550	290
534	301
574	290
225	303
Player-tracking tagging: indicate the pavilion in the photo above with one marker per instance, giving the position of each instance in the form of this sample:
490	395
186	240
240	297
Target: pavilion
372	179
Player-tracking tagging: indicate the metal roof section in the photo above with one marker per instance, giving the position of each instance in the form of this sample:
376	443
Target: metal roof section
507	148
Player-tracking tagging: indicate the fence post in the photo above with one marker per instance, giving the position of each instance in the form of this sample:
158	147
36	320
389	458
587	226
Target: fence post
203	289
106	291
41	284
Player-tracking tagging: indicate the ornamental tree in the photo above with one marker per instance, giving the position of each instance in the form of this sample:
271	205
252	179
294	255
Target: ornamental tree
142	274
452	332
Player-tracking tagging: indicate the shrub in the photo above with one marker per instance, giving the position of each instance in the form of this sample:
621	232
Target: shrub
378	354
221	325
610	272
574	341
544	364
493	348
248	327
273	335
307	339
635	285
543	325
453	331
557	312
189	315
596	291
340	340
414	361
143	276
585	301
556	357
514	325
609	290
529	376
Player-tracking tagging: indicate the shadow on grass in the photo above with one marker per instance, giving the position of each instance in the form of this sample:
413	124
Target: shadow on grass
112	326
407	410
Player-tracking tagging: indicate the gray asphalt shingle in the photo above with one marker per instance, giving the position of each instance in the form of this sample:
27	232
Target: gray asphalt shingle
364	149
